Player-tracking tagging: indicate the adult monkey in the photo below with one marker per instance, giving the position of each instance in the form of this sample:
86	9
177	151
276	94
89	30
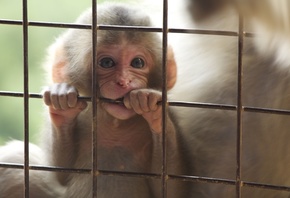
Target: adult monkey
208	68
129	134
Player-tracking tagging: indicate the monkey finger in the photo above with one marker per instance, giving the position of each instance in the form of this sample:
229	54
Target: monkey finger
63	101
58	96
143	101
46	97
72	98
153	99
134	101
126	102
65	96
54	101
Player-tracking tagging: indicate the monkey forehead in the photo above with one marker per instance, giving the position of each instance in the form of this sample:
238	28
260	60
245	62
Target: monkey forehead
148	43
116	36
122	15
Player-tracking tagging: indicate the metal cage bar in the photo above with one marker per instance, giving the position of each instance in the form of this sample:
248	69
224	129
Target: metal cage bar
26	97
239	108
164	98
94	101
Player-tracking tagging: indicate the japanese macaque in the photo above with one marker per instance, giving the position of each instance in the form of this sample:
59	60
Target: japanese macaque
207	72
41	184
129	135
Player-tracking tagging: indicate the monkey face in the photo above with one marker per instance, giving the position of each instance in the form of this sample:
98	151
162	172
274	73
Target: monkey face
121	69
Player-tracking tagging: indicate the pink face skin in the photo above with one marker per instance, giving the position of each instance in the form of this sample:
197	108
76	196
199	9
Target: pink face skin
121	69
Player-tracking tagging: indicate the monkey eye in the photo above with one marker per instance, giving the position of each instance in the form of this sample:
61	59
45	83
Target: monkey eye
138	63
106	62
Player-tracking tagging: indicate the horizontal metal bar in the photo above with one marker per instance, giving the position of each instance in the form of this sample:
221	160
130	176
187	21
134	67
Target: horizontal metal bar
11	165
46	24
267	110
129	28
228	182
44	168
175	103
147	175
83	26
202	105
124	28
202	179
203	32
19	94
10	22
79	171
181	104
130	174
33	95
266	186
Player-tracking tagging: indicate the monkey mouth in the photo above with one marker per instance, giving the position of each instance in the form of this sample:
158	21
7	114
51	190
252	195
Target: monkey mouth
119	101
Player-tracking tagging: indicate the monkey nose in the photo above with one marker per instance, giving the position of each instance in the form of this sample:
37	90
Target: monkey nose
124	82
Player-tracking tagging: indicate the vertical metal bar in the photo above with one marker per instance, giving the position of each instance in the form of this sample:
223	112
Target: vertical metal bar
239	108
94	100
164	98
26	98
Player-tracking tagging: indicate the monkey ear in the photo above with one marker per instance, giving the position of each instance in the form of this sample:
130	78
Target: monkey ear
57	63
171	68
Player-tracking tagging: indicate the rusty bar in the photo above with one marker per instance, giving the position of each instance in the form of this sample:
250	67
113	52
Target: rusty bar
26	97
267	110
34	95
130	174
229	182
129	28
267	186
95	172
125	28
203	179
239	109
170	103
203	32
164	177
46	24
202	105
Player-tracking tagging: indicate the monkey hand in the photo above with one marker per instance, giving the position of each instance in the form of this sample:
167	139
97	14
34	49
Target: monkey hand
63	104
144	102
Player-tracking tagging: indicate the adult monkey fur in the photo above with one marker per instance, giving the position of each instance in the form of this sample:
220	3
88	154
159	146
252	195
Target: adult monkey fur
207	67
129	135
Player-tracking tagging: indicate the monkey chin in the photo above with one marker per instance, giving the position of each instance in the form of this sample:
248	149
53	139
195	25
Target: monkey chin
119	111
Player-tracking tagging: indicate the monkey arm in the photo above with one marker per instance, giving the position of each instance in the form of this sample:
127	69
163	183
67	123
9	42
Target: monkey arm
172	147
145	103
63	109
173	157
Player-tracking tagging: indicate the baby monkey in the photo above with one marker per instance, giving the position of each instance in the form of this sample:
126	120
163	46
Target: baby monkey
129	134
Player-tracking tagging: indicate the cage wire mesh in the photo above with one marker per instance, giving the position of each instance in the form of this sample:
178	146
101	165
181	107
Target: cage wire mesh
164	176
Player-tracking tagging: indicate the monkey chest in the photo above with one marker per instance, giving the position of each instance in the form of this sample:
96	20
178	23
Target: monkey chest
121	159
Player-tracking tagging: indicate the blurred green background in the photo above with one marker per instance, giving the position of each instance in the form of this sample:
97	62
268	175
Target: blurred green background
11	60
